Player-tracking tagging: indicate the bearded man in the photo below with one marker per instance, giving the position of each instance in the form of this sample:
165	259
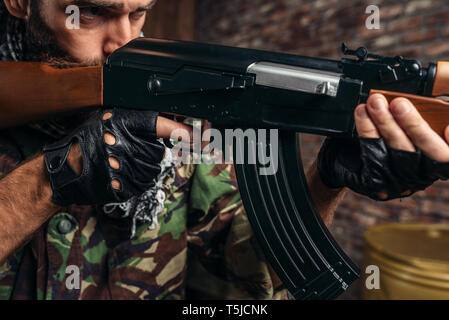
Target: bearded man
119	213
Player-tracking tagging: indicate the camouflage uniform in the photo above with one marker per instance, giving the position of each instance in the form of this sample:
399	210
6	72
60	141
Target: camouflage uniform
203	246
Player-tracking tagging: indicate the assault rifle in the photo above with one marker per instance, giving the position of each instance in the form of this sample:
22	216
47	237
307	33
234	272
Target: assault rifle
243	88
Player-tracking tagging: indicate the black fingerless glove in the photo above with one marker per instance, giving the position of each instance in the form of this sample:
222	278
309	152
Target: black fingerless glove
370	167
136	148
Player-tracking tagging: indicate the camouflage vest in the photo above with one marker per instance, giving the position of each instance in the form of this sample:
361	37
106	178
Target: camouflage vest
203	246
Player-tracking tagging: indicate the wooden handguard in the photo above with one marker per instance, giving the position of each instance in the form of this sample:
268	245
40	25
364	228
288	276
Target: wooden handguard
32	91
433	110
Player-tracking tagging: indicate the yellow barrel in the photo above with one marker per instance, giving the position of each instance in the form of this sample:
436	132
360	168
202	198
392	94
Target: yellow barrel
412	260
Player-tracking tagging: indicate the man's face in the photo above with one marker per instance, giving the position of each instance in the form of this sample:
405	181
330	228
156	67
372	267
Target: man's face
105	25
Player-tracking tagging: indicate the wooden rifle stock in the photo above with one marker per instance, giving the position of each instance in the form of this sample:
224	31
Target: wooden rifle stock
33	91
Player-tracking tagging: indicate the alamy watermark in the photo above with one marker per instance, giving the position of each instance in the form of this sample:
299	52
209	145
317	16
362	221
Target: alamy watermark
73	20
372	281
250	146
73	280
373	20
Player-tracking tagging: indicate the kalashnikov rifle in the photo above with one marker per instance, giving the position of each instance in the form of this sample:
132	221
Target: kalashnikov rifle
244	88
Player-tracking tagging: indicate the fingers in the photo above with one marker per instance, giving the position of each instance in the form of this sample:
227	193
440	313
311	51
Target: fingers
107	115
110	139
389	129
165	127
365	126
401	126
116	184
418	130
446	134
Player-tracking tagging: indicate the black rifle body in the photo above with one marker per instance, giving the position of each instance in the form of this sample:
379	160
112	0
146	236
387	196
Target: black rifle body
244	88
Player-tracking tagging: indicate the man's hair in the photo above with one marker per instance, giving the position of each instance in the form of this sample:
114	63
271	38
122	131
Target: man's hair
31	40
12	32
5	19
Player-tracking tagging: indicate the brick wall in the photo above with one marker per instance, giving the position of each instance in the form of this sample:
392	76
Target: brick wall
317	28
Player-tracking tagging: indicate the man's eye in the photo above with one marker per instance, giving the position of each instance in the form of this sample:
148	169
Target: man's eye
89	13
137	15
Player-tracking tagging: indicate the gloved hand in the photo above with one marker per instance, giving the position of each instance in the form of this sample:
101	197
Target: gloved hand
136	148
395	154
372	168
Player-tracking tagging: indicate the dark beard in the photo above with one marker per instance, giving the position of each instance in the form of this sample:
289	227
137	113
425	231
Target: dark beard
40	43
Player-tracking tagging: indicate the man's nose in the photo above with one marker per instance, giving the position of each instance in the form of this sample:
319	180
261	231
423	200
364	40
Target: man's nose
118	34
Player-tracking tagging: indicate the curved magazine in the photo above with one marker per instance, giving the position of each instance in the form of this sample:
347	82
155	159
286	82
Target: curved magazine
291	233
